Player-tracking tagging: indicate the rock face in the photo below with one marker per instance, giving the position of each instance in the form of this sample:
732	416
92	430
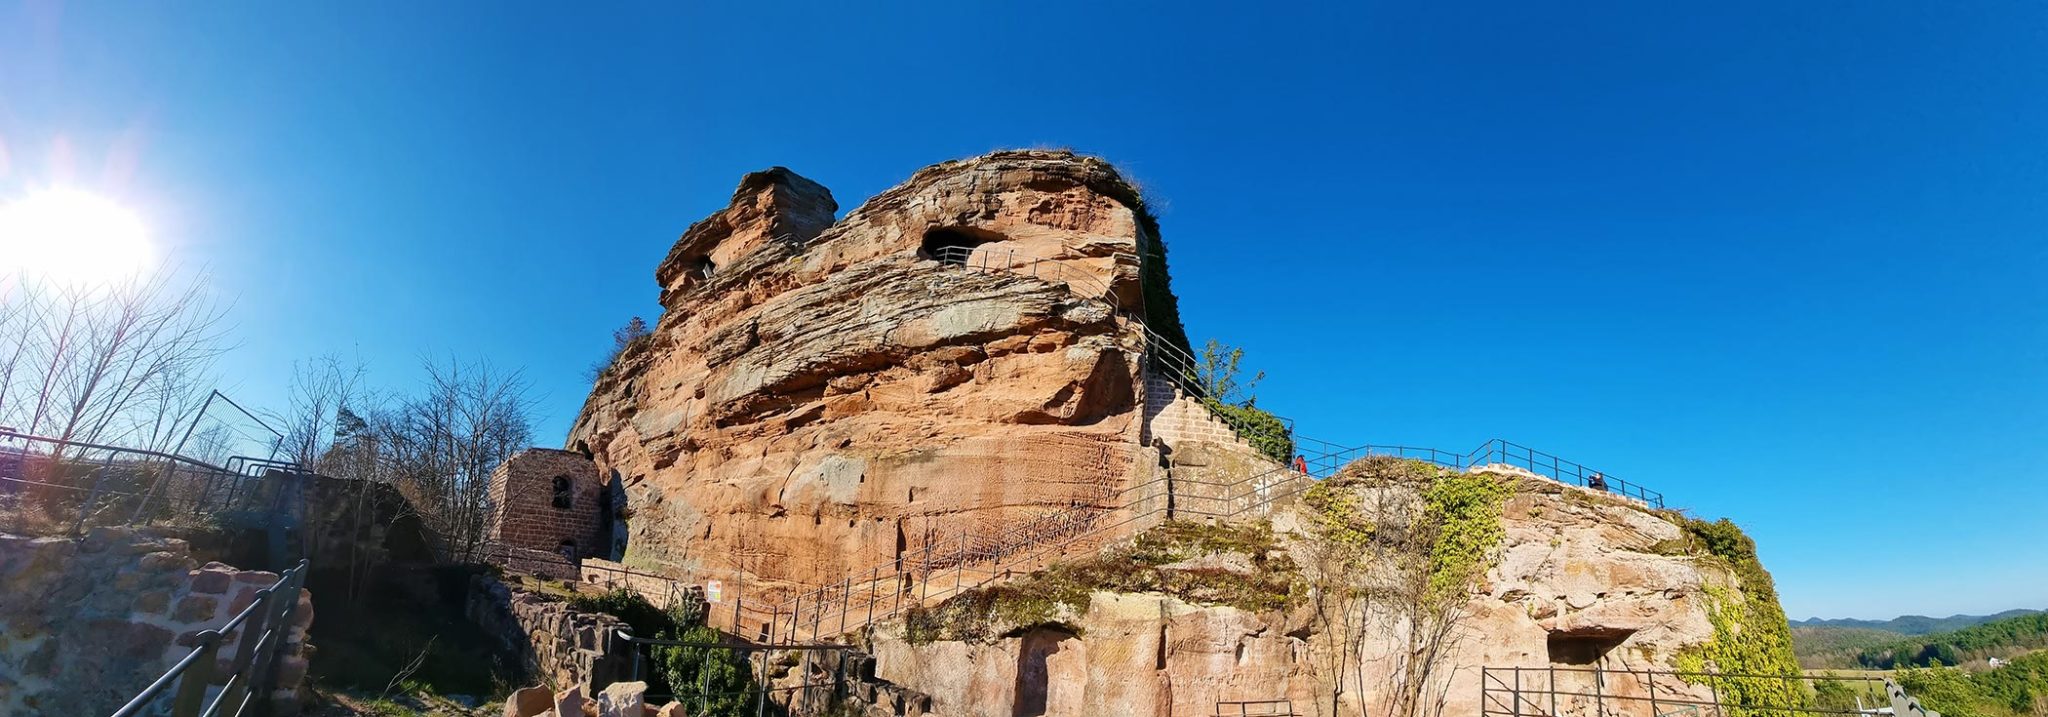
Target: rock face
822	396
1581	579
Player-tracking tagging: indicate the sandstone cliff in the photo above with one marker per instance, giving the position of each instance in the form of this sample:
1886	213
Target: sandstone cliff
1189	617
822	395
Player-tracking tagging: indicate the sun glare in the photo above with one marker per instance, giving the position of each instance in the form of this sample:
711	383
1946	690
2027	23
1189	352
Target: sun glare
72	237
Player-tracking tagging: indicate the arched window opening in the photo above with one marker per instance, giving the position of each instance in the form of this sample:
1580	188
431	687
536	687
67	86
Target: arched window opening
568	551
953	245
564	497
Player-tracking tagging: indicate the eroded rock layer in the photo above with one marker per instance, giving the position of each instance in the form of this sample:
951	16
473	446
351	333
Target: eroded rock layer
1579	581
823	395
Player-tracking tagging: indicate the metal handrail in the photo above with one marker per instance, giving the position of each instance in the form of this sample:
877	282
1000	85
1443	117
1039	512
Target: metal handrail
99	462
895	578
7	434
1525	695
254	670
1255	708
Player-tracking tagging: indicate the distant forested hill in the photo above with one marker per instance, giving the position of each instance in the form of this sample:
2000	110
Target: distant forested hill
2000	638
1837	647
1915	624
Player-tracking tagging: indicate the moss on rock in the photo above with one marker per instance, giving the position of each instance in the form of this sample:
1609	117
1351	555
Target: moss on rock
1165	560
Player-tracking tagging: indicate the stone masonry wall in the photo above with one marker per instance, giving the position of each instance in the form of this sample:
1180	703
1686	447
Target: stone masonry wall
563	647
1213	473
525	515
87	623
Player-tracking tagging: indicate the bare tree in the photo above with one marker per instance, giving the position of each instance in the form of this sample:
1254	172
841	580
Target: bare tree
323	391
1399	545
441	446
115	363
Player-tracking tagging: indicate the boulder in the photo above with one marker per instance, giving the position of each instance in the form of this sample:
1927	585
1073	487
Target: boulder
529	701
622	699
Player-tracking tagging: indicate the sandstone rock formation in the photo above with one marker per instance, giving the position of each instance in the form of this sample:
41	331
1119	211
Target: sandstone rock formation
823	396
1581	579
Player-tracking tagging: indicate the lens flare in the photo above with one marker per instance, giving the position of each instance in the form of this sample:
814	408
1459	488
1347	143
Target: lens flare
72	237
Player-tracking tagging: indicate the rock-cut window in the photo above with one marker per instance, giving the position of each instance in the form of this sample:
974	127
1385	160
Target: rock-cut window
564	497
954	245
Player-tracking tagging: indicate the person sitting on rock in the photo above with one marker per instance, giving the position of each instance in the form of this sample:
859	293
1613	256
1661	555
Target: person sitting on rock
1597	482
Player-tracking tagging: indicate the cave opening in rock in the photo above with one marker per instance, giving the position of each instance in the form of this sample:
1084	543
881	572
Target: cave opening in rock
953	245
704	268
1585	646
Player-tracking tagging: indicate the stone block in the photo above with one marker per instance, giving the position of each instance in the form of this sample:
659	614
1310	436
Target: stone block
530	701
570	701
153	602
195	609
622	699
258	577
165	561
211	580
243	599
290	670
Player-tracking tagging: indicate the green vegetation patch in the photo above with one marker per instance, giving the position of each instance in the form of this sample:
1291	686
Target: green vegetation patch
1047	596
1465	509
2017	689
1264	431
1836	647
1751	634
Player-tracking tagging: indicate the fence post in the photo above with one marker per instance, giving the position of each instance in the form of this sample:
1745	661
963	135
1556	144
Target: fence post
293	587
704	682
245	654
1553	689
1651	677
192	685
1516	708
1714	688
1599	694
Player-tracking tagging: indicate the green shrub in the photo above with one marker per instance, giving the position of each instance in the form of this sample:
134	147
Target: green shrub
1262	430
710	681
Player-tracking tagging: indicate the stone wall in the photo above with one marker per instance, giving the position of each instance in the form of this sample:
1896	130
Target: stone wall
1173	416
563	647
86	624
1214	474
545	499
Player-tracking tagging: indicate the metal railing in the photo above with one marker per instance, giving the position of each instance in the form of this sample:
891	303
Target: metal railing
45	480
914	578
969	560
1555	691
249	680
1256	708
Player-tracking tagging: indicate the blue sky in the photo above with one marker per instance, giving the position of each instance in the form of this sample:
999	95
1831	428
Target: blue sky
1782	261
